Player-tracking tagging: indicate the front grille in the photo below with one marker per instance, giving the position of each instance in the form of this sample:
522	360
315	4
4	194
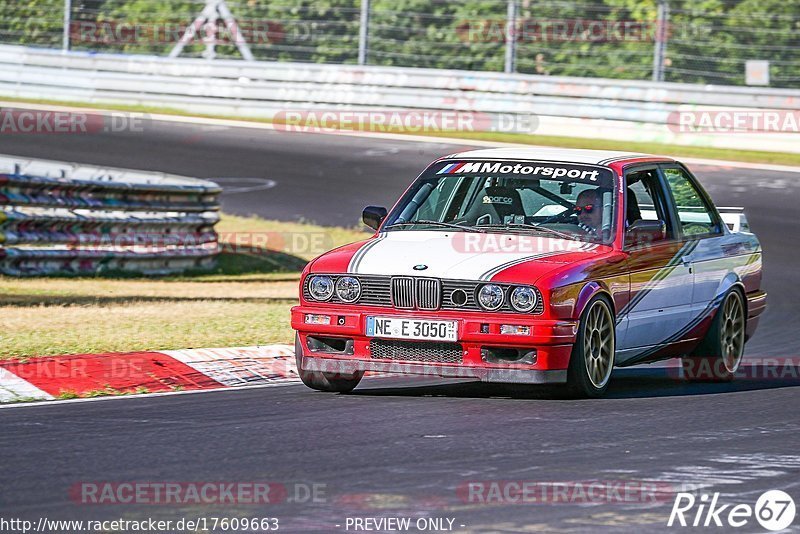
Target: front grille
415	351
403	292
422	293
429	293
425	293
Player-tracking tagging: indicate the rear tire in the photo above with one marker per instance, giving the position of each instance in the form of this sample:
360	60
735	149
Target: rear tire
592	358
330	382
719	355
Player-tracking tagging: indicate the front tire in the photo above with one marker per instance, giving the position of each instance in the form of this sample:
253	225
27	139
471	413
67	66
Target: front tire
719	355
592	359
330	382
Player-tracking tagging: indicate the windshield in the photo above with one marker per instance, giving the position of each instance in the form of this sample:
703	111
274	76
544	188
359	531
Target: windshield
564	200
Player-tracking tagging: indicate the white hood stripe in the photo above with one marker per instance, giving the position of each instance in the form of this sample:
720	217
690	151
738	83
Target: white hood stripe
488	275
397	253
355	261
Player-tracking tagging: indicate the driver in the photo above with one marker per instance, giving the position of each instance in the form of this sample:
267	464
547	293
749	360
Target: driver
589	207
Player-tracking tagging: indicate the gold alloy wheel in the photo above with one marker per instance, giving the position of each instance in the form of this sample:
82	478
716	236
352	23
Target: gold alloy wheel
598	344
732	331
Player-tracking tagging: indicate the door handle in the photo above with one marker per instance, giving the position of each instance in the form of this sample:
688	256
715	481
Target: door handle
687	262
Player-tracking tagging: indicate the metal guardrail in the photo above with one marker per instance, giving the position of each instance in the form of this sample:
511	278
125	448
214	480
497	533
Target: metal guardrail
59	218
272	86
620	109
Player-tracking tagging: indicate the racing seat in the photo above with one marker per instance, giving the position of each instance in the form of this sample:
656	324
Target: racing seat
632	213
493	205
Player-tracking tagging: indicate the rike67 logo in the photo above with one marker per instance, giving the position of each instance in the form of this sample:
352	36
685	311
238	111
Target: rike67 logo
774	510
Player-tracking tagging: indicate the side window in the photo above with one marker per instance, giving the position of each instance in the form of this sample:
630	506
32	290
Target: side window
645	199
694	214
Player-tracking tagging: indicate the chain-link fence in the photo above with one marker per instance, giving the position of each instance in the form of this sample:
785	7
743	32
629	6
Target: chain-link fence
693	41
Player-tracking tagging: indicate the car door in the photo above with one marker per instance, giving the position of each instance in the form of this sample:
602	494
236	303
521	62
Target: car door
701	227
660	302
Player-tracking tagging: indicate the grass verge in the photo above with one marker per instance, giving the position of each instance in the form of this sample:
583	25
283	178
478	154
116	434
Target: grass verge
750	156
244	302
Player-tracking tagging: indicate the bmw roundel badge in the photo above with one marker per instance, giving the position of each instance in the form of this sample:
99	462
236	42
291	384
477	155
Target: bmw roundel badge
420	267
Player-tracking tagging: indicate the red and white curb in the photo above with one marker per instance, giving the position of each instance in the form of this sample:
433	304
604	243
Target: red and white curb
90	375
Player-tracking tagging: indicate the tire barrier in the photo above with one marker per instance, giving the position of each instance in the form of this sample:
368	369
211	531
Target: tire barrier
60	218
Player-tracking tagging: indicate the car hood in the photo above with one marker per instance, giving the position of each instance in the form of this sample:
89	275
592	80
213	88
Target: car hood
456	255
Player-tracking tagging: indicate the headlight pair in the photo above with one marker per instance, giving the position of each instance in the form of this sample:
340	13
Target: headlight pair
347	288
491	297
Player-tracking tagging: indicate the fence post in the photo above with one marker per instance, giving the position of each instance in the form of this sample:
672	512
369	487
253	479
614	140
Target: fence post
660	48
511	37
65	43
363	33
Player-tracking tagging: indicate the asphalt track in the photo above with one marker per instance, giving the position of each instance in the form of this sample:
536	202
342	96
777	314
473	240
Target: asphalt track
404	446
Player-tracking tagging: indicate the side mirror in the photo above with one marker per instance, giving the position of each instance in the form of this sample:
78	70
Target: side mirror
373	216
643	232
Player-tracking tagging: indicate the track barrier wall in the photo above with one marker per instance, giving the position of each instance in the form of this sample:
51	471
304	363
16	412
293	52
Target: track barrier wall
747	118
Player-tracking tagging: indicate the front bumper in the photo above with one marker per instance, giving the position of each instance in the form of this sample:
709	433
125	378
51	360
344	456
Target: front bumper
548	345
348	367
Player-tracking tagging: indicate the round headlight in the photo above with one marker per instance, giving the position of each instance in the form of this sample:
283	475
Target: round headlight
523	299
348	289
491	297
321	287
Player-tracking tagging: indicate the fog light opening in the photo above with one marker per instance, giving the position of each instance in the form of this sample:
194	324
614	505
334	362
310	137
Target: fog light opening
508	355
336	345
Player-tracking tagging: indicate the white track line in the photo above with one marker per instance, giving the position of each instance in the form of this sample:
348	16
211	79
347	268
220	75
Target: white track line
140	395
132	396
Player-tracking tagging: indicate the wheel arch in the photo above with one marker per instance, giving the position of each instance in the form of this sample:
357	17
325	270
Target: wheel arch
589	291
732	282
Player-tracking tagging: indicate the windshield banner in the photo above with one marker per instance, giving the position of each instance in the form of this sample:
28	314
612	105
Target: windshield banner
580	173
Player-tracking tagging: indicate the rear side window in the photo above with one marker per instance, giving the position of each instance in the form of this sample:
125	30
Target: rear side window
694	215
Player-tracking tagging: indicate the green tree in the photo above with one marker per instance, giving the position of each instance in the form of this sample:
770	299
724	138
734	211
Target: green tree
709	41
438	34
32	22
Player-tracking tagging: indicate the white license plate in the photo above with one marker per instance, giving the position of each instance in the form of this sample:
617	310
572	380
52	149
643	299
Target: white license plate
412	328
